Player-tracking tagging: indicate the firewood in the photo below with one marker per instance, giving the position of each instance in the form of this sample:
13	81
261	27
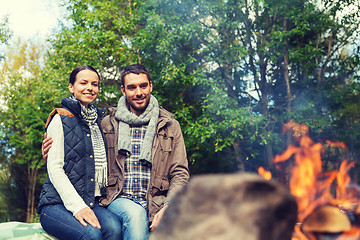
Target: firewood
327	219
228	207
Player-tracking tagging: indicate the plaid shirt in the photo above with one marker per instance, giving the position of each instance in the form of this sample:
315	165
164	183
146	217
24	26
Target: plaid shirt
137	173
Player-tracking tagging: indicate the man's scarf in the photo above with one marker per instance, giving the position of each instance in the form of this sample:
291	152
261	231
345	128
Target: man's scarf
127	118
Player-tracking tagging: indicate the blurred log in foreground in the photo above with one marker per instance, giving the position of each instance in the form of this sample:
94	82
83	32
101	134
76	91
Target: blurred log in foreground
227	207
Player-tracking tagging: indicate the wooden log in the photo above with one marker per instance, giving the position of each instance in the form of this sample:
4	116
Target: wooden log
227	207
327	219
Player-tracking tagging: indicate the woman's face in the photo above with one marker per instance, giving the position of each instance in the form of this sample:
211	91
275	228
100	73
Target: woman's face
86	87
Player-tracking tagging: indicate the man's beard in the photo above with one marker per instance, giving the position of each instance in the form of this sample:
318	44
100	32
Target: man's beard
135	107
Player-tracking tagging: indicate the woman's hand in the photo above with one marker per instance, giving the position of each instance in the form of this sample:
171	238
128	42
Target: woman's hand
87	215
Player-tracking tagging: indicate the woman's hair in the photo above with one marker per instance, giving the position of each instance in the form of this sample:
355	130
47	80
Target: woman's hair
136	69
78	69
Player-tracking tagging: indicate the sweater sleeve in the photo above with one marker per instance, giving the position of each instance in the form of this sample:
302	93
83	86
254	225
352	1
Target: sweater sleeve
55	168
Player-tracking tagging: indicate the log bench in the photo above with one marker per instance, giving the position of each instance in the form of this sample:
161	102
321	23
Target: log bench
23	231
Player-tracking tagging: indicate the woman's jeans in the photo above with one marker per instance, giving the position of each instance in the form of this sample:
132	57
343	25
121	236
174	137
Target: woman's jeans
61	223
133	217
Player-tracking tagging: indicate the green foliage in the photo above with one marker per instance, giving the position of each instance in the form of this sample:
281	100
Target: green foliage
231	71
220	66
26	102
101	36
346	115
4	179
5	32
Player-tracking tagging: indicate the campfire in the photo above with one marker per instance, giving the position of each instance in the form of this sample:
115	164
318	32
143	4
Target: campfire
327	209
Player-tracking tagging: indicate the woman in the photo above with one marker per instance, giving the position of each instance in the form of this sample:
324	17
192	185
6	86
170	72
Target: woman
77	166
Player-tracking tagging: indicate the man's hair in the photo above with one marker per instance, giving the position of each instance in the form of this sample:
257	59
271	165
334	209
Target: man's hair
136	69
74	72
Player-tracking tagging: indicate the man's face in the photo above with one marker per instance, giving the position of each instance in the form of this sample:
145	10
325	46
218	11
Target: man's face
137	89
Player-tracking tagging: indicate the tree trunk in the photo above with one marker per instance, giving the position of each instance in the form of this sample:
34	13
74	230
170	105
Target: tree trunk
322	69
238	156
30	211
264	108
287	81
270	156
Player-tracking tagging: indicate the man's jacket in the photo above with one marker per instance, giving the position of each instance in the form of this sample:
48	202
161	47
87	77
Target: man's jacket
169	172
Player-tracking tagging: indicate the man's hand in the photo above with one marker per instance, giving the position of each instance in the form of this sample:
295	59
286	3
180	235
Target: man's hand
46	145
157	218
87	215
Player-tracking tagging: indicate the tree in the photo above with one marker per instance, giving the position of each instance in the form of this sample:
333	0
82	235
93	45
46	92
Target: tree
232	71
25	95
32	84
252	62
100	35
5	35
5	32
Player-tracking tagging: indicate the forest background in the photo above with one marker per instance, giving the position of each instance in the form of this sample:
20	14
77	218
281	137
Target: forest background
232	71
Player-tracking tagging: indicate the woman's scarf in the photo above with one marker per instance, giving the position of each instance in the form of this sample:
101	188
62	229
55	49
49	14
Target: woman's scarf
90	116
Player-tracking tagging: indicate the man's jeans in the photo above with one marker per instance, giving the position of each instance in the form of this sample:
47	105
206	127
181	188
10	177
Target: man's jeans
134	219
61	223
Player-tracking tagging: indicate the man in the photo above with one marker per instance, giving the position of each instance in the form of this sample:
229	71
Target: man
146	156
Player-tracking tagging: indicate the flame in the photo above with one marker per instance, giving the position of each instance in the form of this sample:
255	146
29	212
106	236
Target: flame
343	180
354	232
308	183
264	173
337	144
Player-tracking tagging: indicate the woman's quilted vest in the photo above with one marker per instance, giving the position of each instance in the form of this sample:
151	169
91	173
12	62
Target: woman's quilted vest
79	163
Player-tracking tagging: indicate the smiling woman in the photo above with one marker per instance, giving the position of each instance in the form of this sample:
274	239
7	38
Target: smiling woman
77	167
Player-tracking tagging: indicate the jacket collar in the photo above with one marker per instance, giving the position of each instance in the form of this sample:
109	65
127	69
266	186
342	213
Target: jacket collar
75	108
164	117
